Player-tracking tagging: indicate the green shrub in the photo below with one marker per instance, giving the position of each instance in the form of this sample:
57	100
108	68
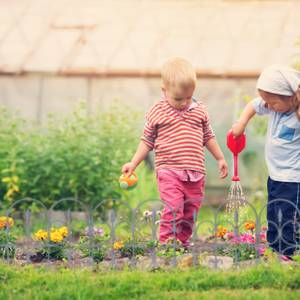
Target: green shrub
79	156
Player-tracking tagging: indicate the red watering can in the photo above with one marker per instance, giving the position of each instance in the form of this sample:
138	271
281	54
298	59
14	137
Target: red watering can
236	145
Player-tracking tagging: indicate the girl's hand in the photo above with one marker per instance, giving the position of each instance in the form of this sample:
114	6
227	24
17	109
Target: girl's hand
128	168
223	168
238	128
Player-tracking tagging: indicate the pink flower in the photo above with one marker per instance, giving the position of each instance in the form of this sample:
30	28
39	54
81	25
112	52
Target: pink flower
262	250
94	231
247	238
230	235
235	240
263	236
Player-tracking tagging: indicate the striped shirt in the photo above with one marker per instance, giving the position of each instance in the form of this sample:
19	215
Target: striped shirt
178	138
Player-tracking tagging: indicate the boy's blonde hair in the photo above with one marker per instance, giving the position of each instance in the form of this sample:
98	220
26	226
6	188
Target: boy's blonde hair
178	72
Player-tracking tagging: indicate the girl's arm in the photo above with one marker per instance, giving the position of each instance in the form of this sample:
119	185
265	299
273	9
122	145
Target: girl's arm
239	127
139	156
214	148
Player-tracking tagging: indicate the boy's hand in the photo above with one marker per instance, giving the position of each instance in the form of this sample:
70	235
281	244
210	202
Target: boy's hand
128	168
238	128
223	168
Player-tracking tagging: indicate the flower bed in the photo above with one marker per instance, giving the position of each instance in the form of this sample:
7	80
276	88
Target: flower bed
96	244
244	246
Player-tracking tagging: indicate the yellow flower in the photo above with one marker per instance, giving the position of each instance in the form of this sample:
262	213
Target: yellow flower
15	179
63	231
118	245
6	180
9	193
41	235
56	236
221	231
250	225
6	222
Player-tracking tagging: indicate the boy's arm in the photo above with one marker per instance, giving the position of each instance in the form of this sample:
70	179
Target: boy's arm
239	127
139	156
215	150
145	146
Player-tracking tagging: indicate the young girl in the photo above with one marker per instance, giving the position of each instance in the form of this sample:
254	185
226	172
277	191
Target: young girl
278	87
178	128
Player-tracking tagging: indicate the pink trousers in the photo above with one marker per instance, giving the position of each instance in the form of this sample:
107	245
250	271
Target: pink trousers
182	200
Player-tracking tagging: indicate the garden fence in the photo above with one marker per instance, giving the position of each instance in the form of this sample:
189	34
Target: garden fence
115	235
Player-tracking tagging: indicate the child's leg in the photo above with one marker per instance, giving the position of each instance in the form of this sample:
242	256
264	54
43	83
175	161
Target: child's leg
283	216
194	193
171	193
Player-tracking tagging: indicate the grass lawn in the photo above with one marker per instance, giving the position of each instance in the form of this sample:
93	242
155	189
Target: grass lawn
262	282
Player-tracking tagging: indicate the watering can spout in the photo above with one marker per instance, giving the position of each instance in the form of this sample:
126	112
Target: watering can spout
235	178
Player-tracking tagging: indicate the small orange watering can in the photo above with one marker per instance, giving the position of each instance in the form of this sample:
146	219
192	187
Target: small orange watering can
128	182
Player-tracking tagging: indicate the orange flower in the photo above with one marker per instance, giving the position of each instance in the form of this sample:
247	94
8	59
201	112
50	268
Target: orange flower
221	231
6	222
118	245
250	225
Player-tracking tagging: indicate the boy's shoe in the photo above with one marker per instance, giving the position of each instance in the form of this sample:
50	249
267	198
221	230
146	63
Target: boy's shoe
187	246
286	258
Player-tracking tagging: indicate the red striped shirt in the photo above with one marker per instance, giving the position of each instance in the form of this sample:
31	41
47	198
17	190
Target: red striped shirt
178	138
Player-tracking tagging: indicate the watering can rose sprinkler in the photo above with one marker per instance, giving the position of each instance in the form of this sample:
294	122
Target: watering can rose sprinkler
236	196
